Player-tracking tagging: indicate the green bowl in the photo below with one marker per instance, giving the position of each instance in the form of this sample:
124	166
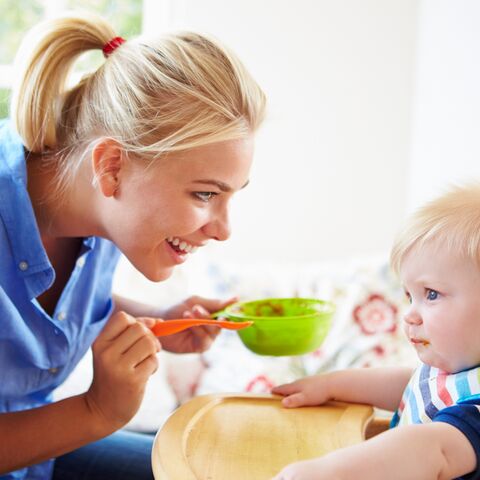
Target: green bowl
282	326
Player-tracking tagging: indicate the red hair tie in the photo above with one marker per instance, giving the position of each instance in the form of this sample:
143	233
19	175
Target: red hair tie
110	46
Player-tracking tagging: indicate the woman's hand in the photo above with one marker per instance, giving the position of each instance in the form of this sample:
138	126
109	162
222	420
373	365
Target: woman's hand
124	357
307	391
196	339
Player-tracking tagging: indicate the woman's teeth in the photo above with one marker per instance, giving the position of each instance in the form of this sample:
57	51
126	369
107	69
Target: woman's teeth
181	245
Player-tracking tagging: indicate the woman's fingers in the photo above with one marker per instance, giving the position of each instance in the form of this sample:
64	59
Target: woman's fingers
149	322
211	331
122	333
211	305
143	348
203	332
201	311
130	336
115	326
203	337
148	366
196	311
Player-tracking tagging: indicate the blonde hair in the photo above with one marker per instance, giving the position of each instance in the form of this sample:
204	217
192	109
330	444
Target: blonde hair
181	91
451	222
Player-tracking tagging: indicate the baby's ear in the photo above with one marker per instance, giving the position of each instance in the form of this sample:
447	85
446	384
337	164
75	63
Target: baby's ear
107	158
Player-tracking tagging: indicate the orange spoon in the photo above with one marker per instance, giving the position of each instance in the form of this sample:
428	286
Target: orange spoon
169	327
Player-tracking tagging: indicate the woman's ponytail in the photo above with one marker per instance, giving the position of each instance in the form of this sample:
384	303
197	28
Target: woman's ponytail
43	65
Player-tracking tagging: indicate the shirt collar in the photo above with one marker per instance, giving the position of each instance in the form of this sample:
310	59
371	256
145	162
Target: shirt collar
16	212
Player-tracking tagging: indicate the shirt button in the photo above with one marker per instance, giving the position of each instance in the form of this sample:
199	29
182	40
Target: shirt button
23	266
62	316
81	262
53	370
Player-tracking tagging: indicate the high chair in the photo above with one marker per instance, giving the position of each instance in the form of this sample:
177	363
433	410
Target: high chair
252	437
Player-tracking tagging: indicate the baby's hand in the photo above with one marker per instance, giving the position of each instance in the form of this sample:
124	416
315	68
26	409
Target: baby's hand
305	392
315	469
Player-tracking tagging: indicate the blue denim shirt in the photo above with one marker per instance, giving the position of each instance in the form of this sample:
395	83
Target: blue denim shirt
38	351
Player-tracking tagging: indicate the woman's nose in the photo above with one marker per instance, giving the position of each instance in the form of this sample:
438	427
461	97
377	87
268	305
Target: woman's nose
218	228
412	317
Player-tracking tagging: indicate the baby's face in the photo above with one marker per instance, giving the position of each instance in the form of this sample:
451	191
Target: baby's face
443	320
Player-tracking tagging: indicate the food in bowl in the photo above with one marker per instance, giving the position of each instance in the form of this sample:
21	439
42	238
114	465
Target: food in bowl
282	326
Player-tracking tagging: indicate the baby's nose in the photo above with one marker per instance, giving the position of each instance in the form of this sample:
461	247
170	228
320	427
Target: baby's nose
412	317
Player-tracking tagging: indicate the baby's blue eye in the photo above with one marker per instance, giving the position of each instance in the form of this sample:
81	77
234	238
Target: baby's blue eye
432	294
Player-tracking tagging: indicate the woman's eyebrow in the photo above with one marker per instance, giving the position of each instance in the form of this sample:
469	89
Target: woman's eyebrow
221	185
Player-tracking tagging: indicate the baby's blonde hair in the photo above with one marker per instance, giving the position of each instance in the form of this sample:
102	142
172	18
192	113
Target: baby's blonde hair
451	222
181	91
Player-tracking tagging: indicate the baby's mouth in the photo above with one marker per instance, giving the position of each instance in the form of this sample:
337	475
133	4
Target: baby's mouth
419	341
181	246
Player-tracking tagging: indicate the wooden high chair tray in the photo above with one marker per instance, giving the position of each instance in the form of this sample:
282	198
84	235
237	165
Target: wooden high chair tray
239	437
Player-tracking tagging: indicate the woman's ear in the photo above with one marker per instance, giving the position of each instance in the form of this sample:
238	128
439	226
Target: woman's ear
107	156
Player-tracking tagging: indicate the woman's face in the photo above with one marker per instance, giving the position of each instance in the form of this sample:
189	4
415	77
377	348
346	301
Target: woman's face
161	214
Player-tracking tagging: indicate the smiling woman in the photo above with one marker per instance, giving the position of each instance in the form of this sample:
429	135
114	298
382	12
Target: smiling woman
142	156
196	185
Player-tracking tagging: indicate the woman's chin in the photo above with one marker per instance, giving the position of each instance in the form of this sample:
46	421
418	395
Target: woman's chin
158	275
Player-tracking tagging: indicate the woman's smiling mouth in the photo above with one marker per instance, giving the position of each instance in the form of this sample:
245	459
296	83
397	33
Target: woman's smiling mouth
181	246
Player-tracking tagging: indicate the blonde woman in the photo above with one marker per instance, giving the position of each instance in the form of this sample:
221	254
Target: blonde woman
140	157
435	430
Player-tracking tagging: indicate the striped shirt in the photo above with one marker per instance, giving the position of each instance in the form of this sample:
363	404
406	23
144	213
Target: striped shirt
433	395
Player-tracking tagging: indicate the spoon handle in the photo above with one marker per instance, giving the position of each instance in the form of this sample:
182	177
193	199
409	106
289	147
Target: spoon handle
169	327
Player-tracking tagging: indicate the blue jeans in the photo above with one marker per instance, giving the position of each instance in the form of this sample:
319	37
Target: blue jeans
122	456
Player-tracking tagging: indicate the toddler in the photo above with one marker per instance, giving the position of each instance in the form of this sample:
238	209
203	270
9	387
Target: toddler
435	431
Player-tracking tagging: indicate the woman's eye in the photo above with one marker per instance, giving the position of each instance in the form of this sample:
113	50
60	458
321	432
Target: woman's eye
205	196
432	294
409	297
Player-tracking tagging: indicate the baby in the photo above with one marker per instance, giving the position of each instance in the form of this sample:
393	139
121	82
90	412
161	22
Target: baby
435	430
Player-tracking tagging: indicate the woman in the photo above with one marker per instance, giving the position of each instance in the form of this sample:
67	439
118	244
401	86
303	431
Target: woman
141	157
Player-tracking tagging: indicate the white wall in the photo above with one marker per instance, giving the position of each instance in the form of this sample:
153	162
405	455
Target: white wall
331	165
446	126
